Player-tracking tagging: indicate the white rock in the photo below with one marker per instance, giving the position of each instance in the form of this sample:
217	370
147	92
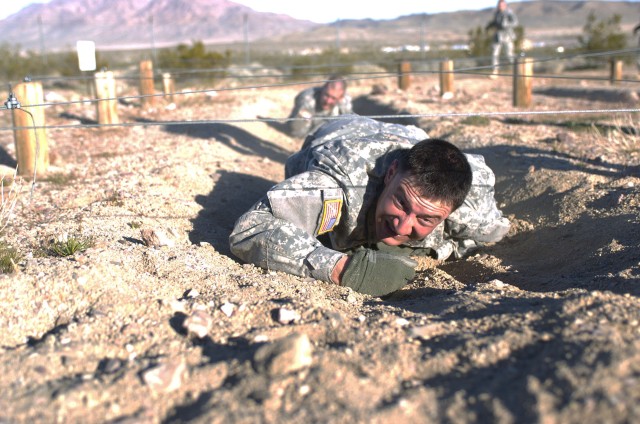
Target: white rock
198	323
228	308
287	316
165	377
401	322
499	284
289	354
428	331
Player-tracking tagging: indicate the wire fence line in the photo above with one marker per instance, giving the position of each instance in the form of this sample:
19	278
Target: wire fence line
330	118
369	76
351	78
191	72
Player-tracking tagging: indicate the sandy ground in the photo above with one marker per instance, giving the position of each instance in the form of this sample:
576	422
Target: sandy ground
541	327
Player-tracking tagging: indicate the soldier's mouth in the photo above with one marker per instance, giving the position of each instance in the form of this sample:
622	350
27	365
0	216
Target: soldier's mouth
390	232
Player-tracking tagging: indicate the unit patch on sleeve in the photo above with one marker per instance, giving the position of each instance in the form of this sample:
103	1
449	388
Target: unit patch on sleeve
330	215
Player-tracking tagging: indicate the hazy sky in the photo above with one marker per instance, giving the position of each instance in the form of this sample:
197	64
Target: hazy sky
327	10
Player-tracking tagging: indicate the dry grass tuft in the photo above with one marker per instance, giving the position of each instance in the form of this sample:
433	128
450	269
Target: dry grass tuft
621	141
10	190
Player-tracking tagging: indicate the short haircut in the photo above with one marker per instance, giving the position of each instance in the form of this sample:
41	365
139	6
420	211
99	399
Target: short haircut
439	169
335	80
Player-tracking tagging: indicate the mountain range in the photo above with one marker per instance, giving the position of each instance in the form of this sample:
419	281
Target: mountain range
130	24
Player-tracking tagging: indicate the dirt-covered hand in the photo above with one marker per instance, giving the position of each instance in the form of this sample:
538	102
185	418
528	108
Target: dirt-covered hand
378	273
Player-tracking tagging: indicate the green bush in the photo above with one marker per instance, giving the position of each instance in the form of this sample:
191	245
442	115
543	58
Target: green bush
70	245
9	258
602	35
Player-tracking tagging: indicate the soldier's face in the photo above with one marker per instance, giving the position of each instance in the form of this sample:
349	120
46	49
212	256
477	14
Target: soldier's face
331	95
402	214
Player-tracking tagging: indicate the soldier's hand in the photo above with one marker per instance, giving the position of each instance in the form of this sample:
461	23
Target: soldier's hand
378	273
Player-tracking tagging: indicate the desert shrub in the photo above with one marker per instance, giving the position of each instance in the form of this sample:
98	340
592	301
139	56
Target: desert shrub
8	199
68	245
602	35
620	140
9	258
195	56
478	121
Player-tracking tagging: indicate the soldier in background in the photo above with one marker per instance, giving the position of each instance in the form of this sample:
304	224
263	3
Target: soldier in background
635	33
361	197
504	21
314	103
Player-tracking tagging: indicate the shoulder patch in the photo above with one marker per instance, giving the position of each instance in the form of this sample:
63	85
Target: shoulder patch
331	210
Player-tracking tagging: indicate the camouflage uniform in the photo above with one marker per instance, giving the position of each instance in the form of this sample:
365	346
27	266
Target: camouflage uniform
343	164
307	105
504	23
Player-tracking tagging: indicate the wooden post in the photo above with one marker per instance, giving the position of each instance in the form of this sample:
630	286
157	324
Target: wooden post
616	71
404	77
446	77
522	81
107	105
147	89
168	86
32	151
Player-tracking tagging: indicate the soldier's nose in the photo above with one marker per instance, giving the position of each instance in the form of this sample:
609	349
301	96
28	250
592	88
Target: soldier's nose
404	226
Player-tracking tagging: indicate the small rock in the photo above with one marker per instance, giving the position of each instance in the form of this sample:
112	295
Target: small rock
155	238
166	377
378	89
287	316
109	365
289	354
401	322
565	137
335	319
177	305
447	95
498	284
198	323
427	332
228	308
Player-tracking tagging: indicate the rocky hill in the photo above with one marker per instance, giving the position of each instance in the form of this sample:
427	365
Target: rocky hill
117	24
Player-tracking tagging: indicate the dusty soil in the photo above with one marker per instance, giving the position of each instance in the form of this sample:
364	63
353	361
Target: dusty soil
541	327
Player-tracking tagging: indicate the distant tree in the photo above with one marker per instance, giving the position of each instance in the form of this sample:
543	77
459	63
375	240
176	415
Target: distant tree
480	41
195	56
602	35
16	64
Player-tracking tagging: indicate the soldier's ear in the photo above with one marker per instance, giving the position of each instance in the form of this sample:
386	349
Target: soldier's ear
391	171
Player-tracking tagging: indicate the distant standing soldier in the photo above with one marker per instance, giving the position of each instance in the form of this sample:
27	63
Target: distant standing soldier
504	21
312	104
635	32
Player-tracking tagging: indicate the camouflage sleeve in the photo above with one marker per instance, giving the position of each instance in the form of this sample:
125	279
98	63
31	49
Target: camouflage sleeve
345	105
279	232
303	112
512	20
476	222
